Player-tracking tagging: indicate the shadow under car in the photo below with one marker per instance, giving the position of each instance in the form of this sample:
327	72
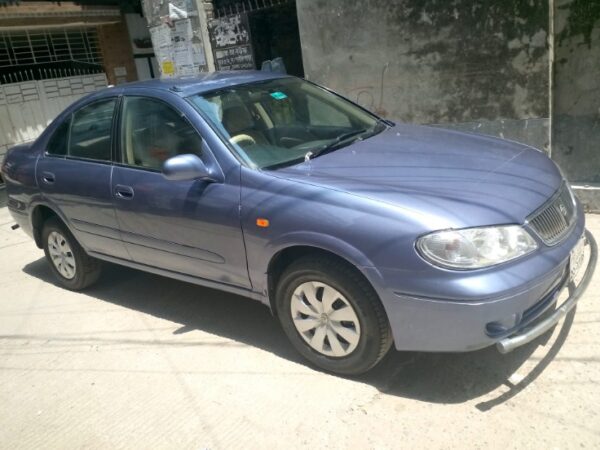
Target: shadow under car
429	377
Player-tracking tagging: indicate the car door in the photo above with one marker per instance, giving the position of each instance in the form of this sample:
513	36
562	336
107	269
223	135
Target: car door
190	227
74	176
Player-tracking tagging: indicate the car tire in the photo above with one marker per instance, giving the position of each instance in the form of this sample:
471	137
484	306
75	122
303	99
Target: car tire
356	319
71	265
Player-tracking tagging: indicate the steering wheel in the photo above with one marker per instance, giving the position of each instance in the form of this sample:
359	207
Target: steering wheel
239	138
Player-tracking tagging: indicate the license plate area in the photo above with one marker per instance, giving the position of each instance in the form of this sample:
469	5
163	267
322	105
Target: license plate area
576	258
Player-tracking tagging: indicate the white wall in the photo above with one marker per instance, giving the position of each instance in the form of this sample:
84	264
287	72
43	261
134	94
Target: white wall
27	108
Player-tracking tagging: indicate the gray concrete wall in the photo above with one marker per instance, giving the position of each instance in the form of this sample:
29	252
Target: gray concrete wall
576	94
471	64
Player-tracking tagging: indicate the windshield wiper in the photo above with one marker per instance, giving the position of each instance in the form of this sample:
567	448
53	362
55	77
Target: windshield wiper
341	139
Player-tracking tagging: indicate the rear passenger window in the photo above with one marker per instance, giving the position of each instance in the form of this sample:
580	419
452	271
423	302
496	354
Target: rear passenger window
91	131
59	140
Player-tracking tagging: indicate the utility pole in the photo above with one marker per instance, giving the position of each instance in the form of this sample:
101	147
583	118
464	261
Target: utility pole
205	13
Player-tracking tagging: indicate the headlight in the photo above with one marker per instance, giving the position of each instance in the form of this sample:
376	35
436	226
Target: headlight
474	248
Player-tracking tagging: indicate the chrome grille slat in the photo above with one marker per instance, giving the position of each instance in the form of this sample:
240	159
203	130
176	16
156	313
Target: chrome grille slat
554	220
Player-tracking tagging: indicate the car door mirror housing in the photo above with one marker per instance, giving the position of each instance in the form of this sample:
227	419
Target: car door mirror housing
187	167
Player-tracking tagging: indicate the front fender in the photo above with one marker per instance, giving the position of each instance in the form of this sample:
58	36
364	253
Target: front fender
259	271
321	241
301	214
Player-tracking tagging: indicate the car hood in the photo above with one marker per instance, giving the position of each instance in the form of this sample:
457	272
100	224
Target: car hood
447	178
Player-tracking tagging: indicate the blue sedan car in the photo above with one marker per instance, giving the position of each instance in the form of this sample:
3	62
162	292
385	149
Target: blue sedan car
358	233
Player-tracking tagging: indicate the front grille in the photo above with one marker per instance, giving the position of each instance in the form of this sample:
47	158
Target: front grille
554	220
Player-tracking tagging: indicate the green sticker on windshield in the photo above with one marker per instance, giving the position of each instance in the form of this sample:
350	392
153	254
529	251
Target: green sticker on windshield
278	95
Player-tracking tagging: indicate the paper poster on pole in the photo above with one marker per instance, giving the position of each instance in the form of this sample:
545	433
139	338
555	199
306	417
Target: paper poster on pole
168	68
161	41
177	49
181	37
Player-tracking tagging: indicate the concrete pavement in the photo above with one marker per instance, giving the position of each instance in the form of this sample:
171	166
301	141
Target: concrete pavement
141	361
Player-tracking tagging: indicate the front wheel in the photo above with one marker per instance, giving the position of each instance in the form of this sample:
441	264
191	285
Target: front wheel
72	267
332	315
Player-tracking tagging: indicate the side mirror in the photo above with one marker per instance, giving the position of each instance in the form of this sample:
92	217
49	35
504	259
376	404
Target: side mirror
186	167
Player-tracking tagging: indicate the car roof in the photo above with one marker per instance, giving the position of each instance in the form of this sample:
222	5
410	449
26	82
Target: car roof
203	82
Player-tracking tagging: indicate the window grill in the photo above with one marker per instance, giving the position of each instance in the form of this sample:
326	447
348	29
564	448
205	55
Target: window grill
79	45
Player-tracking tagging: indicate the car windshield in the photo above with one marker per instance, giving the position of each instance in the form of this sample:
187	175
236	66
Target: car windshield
275	123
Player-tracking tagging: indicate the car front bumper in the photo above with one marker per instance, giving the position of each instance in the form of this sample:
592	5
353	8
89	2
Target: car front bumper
511	318
528	333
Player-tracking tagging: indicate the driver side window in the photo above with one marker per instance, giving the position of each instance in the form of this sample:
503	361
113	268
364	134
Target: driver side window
152	132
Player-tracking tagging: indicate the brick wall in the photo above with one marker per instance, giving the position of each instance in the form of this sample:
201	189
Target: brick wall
116	51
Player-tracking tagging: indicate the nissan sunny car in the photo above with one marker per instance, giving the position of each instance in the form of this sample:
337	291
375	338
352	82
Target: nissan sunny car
358	233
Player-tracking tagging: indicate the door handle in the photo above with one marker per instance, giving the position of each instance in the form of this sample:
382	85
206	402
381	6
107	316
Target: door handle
48	177
123	192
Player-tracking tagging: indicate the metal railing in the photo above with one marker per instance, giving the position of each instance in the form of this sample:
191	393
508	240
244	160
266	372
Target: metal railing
26	47
47	71
243	6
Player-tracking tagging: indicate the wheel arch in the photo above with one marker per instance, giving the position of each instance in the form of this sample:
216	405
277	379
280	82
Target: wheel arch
285	255
40	213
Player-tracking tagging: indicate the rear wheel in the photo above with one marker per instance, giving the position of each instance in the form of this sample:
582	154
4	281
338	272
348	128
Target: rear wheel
332	315
69	263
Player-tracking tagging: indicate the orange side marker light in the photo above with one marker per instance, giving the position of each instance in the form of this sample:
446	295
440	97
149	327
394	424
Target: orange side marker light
263	223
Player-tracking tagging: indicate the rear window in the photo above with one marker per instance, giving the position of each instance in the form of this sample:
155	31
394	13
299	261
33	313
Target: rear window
91	131
57	145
